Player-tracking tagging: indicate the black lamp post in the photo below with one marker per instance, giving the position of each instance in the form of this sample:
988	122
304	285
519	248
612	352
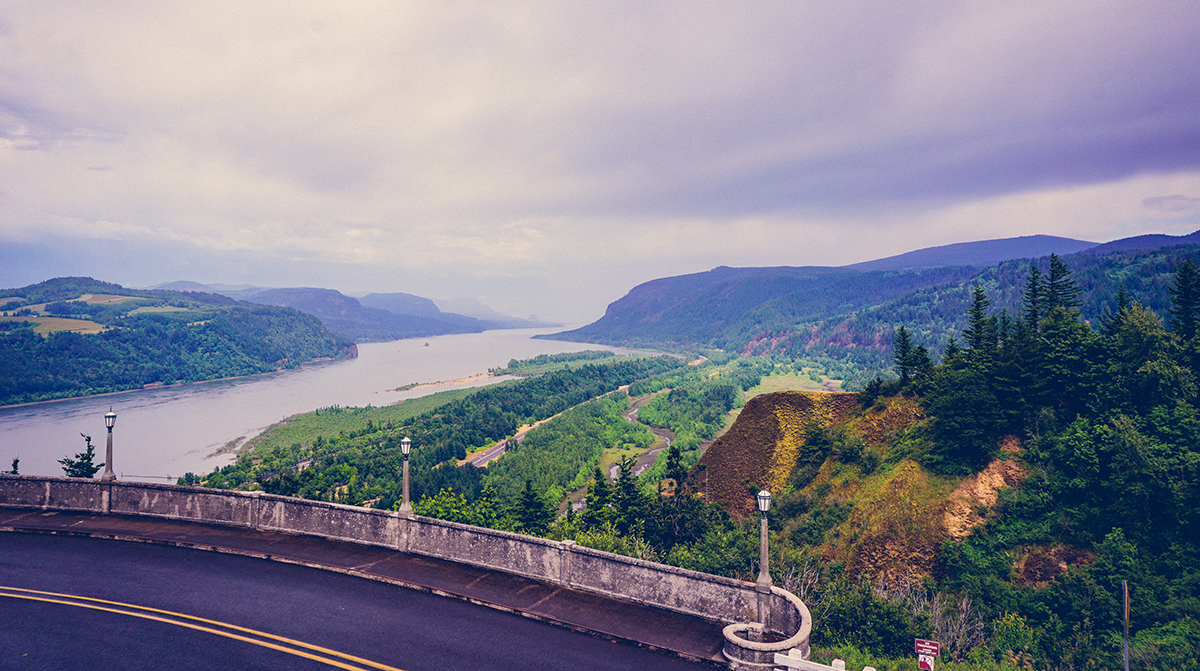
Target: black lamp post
109	420
763	585
405	448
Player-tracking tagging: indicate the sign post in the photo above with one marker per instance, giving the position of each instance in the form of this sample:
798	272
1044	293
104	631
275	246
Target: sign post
926	651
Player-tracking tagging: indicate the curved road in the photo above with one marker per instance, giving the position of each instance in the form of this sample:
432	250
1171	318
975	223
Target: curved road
72	602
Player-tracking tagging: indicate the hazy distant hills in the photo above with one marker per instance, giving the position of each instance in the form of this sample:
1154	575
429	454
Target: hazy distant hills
373	318
844	317
982	253
725	307
1142	242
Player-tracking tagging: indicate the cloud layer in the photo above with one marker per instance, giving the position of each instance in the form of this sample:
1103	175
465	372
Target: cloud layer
548	156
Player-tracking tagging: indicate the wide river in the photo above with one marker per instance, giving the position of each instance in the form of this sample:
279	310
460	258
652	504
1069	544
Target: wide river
173	430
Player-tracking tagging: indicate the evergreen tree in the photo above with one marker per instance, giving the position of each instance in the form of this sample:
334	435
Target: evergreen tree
596	510
920	366
1064	345
629	505
1110	320
531	512
953	351
1185	299
674	467
81	466
966	421
981	331
1060	291
902	349
1032	298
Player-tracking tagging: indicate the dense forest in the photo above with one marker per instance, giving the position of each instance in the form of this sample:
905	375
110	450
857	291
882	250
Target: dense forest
143	338
1108	419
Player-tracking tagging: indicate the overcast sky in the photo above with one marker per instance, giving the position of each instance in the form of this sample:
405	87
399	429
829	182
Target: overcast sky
545	157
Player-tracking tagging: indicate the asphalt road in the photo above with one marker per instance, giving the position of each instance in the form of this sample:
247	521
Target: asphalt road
86	603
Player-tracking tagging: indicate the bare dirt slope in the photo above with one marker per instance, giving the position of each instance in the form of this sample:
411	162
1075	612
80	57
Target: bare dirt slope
899	514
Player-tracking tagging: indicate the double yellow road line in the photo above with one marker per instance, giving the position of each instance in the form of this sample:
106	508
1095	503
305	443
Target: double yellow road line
260	638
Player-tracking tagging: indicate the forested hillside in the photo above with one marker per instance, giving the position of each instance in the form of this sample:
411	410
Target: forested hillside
1014	488
842	320
77	336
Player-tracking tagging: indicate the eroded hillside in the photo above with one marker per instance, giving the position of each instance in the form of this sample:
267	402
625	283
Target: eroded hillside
761	448
842	484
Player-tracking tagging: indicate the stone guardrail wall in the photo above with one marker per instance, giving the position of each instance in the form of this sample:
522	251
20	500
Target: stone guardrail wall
715	598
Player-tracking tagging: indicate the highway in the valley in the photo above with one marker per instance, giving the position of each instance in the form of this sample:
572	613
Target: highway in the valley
87	603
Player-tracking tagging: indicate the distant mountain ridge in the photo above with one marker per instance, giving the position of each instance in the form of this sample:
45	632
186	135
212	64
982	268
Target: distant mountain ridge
373	318
981	253
844	317
1152	241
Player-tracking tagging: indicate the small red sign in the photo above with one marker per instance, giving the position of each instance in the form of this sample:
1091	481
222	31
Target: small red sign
925	662
928	647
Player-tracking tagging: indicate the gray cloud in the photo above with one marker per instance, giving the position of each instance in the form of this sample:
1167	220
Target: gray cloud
563	151
1174	203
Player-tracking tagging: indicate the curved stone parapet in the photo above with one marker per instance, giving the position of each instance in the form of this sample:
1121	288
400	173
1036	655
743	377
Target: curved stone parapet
717	599
744	647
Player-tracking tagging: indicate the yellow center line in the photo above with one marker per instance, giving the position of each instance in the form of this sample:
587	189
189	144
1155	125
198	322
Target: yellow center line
133	610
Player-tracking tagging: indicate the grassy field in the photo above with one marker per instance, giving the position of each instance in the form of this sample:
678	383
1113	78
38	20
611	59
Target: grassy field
793	382
158	310
305	427
47	324
784	382
53	324
96	299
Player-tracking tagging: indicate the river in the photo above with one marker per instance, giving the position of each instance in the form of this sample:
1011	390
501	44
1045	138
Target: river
169	431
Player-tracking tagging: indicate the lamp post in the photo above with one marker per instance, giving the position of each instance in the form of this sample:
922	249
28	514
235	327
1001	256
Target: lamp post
763	585
405	448
109	420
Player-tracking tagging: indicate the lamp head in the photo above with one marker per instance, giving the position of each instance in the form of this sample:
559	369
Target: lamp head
764	501
110	419
406	445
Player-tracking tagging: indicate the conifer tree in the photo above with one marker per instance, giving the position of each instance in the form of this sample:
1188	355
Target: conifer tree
629	506
596	510
531	512
674	467
920	365
902	349
1032	295
1059	290
1110	321
981	330
82	465
1185	299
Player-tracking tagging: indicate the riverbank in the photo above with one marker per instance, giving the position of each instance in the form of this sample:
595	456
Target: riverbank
170	385
174	429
